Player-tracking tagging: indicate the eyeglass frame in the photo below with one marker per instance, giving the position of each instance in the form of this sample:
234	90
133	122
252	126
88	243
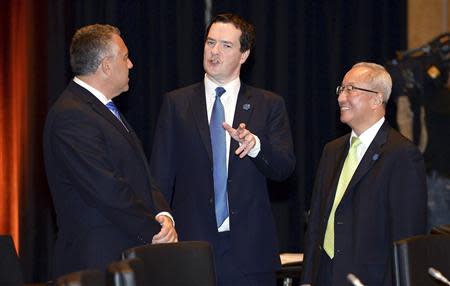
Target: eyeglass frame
341	88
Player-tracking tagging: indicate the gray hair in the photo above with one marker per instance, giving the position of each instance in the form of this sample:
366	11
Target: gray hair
90	45
379	78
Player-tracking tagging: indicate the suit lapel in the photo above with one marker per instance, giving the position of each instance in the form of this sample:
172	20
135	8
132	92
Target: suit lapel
245	105
98	107
129	134
243	111
340	153
136	144
371	156
101	109
198	106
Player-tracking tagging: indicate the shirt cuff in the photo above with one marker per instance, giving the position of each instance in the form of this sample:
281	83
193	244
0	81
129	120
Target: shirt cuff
168	215
255	150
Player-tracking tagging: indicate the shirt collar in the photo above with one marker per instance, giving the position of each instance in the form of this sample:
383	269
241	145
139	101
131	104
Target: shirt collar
230	88
98	94
367	136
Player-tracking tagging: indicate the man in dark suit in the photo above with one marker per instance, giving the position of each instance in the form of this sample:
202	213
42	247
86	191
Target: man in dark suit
370	189
100	182
215	145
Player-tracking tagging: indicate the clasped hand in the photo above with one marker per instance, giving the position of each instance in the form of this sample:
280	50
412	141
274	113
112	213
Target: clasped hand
168	233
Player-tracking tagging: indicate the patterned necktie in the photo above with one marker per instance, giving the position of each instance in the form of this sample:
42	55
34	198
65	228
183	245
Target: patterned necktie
219	149
350	165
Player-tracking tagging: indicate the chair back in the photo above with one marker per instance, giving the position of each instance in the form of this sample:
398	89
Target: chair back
128	272
415	255
441	229
187	263
82	278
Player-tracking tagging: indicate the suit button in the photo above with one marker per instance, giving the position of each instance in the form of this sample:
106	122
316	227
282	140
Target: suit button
340	223
338	251
233	212
211	201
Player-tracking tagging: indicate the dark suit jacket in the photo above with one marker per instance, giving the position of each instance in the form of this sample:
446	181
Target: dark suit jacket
100	182
386	200
181	163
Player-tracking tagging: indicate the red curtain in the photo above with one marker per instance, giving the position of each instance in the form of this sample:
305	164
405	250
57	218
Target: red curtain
20	58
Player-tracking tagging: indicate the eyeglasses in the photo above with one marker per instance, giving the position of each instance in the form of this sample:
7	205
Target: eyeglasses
350	88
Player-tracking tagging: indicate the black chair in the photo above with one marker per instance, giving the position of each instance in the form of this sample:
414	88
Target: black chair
188	263
415	255
82	278
10	269
128	272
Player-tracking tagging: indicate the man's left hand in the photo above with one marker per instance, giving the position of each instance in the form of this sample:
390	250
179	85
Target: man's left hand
168	233
242	135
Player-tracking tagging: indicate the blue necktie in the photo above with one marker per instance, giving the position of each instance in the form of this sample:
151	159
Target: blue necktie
219	150
111	106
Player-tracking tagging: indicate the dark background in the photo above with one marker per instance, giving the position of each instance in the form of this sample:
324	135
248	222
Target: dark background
303	49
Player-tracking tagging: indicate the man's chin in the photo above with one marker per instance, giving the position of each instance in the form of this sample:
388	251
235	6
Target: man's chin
344	118
211	70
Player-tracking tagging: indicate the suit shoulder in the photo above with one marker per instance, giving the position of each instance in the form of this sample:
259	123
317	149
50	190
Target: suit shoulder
338	142
398	142
67	102
72	104
255	91
193	88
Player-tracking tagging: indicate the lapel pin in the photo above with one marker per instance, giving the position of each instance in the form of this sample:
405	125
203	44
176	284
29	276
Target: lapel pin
246	106
375	157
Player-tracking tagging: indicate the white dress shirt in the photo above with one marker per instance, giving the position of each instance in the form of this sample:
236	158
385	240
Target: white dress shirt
100	96
366	138
229	100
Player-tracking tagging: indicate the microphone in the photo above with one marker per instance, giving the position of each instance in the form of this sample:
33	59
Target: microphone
438	275
354	280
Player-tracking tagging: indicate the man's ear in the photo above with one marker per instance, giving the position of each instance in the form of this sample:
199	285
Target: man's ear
244	56
378	100
105	66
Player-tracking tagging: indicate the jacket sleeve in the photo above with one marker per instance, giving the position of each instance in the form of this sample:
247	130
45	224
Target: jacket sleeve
313	237
162	161
276	159
408	195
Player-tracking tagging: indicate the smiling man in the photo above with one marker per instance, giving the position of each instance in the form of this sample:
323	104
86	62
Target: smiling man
369	192
215	145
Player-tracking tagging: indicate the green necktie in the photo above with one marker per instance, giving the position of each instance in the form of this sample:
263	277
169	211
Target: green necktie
350	165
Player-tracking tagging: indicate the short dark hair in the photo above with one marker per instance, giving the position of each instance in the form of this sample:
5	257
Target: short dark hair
248	35
90	44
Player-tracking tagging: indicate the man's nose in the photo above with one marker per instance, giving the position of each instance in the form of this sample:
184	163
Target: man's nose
215	49
342	96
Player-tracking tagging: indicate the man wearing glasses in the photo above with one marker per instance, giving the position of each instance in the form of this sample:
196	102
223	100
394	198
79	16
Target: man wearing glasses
370	189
